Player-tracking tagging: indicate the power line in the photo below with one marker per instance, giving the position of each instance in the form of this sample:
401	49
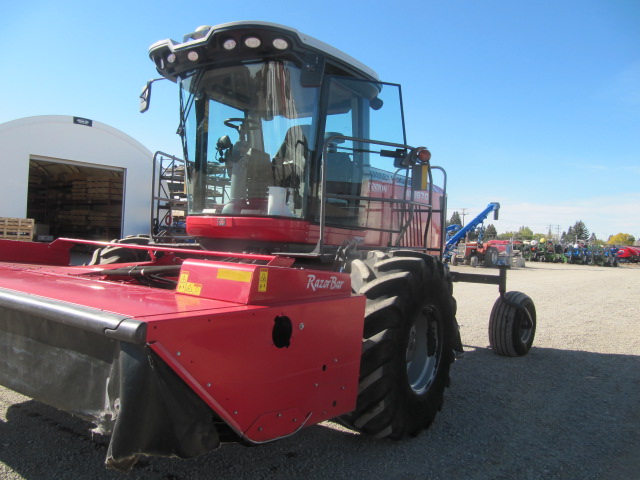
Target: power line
557	228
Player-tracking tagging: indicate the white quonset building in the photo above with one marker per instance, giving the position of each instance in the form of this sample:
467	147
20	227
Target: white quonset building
76	177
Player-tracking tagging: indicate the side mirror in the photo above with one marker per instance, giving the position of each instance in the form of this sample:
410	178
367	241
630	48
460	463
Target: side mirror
145	97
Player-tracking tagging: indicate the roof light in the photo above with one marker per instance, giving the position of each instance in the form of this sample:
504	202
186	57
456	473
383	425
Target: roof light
193	56
229	44
252	42
202	30
280	43
171	58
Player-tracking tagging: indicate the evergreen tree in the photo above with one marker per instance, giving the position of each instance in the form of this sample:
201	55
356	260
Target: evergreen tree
455	219
570	236
581	231
490	232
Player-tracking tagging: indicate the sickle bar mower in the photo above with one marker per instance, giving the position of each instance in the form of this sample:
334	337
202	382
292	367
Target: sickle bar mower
151	366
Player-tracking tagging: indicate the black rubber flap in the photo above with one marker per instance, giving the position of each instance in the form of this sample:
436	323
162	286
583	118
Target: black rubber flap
83	362
159	414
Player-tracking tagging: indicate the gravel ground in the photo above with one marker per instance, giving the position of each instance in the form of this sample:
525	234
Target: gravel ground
568	410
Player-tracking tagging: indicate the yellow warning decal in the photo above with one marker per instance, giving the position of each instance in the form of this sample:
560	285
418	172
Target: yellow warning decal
262	282
185	286
424	177
235	275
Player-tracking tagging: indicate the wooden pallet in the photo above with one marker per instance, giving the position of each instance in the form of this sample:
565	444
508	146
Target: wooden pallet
16	228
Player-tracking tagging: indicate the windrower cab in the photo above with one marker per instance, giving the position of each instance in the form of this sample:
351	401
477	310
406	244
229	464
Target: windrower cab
316	289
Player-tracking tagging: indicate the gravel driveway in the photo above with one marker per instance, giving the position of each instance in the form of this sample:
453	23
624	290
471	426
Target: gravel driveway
568	410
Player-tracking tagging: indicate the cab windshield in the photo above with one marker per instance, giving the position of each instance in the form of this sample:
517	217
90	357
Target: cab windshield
248	133
254	140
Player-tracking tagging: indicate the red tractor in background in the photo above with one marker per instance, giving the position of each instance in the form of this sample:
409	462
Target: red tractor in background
628	254
316	291
490	253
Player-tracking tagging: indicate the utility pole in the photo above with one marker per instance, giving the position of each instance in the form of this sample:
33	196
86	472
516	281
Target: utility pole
464	213
557	229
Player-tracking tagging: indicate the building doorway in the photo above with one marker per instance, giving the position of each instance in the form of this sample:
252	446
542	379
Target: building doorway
76	200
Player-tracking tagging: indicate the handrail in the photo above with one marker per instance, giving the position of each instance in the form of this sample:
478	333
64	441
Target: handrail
410	203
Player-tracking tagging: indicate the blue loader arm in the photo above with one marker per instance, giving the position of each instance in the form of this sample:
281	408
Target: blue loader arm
453	241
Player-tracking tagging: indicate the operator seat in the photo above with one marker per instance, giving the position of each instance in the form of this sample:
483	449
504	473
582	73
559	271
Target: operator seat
339	164
343	178
291	158
259	174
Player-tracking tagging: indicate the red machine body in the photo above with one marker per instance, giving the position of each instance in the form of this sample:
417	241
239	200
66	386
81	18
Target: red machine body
379	221
256	330
231	332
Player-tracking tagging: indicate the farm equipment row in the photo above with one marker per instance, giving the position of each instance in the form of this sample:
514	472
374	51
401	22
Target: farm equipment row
607	256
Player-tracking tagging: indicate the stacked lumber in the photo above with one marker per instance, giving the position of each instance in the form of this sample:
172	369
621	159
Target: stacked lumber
96	189
16	228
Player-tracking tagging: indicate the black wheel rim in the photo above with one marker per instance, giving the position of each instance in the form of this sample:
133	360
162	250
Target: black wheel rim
525	327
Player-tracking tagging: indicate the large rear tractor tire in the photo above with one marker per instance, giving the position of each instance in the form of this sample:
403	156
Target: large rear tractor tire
118	254
491	257
512	325
409	335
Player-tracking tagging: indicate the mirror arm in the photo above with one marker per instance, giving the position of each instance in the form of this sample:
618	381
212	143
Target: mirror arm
145	96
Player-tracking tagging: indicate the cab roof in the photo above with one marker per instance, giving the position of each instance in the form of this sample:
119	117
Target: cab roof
228	43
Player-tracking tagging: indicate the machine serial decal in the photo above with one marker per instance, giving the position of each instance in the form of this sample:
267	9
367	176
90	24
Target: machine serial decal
332	283
262	282
235	275
185	286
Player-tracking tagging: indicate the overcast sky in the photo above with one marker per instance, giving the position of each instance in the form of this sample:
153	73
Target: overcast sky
535	105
